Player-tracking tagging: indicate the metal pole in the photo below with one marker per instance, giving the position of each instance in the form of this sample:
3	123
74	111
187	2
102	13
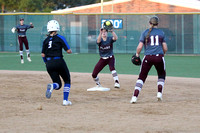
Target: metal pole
101	6
183	43
176	35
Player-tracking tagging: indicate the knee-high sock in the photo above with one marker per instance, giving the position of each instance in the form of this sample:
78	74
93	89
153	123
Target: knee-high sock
21	54
97	80
66	91
160	84
115	77
28	53
138	87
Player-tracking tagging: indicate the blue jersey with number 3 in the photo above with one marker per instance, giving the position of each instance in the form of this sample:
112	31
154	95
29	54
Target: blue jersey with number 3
53	45
154	42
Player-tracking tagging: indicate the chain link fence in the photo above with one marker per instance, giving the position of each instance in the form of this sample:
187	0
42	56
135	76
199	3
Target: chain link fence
81	30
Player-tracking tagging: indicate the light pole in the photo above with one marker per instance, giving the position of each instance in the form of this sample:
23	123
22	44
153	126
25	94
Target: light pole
101	6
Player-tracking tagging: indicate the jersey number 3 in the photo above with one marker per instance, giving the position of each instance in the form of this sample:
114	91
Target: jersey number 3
156	39
50	44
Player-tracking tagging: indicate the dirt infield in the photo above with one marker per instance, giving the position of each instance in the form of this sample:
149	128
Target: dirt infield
24	108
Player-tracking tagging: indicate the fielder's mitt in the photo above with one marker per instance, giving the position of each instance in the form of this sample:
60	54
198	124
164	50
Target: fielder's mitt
13	30
136	60
108	25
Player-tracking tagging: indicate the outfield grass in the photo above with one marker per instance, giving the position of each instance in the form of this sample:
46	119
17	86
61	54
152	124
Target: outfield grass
177	66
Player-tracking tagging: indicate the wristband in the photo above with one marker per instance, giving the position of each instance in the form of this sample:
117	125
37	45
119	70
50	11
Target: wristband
44	59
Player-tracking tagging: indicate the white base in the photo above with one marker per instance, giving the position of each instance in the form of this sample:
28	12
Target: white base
98	89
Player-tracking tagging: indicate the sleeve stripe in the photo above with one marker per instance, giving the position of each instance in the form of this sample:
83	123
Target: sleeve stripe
64	40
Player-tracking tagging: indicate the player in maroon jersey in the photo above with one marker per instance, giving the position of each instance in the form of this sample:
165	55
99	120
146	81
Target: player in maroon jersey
105	44
21	30
153	40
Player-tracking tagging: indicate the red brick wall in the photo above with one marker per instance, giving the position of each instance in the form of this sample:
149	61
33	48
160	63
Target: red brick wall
135	6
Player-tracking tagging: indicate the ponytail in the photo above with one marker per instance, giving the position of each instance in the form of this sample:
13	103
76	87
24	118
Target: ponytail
154	22
146	38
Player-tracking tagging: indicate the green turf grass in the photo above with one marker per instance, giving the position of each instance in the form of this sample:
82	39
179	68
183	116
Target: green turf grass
177	66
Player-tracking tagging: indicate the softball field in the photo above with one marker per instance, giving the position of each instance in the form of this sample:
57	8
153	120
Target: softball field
24	108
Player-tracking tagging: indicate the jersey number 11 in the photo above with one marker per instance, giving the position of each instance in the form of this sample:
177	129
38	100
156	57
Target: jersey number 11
152	40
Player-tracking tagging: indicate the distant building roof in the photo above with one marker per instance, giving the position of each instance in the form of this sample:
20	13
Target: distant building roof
137	6
194	4
89	6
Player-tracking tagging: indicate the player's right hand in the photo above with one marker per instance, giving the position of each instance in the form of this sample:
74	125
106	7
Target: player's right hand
101	29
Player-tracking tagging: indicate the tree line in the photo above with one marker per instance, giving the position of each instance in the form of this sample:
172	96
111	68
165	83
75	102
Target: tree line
42	5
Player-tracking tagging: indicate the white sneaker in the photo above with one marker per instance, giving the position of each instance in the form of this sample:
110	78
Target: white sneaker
29	59
117	85
66	103
133	99
22	61
49	90
159	96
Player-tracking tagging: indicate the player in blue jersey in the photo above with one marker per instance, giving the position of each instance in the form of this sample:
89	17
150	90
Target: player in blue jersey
21	30
105	44
153	40
55	64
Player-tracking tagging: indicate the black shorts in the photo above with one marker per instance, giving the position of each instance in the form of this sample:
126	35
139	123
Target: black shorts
57	68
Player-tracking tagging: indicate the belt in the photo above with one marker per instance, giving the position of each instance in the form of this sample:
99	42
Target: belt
53	58
157	55
106	57
21	35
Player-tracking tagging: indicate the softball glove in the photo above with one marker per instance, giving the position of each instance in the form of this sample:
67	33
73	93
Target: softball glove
136	60
108	25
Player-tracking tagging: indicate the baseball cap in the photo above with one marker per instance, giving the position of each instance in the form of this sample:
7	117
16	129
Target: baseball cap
21	19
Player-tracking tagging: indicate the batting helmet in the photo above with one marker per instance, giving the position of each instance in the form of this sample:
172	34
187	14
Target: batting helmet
53	25
154	20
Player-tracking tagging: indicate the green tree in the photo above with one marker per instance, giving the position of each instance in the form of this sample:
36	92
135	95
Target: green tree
31	5
12	5
2	3
42	5
7	4
61	4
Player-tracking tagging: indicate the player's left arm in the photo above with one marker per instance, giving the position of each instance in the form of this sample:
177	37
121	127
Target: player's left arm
164	46
69	51
31	25
65	44
115	37
99	36
67	48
